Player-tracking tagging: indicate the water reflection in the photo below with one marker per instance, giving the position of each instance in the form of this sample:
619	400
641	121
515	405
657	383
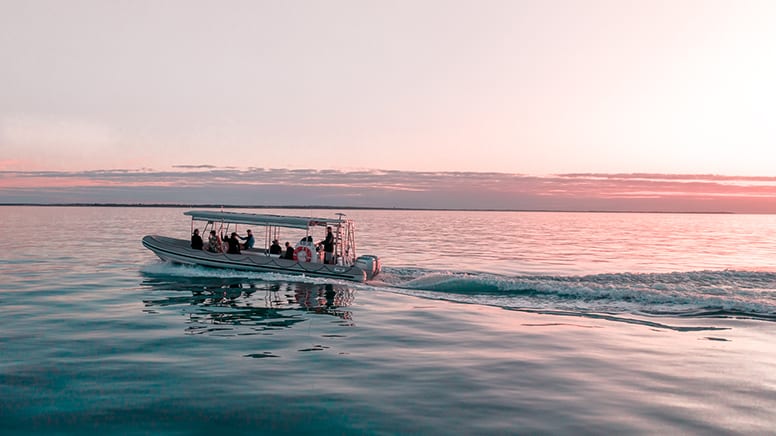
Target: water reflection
227	307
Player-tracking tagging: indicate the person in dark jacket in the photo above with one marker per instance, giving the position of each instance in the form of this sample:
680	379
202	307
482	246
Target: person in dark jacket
289	251
196	240
234	244
275	248
328	247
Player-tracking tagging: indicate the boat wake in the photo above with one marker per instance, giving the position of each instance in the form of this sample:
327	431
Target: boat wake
702	294
725	293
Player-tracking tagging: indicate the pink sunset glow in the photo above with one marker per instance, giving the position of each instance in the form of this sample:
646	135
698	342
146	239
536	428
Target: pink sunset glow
402	189
594	105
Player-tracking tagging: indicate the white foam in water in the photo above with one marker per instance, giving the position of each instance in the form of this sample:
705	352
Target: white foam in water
741	292
744	293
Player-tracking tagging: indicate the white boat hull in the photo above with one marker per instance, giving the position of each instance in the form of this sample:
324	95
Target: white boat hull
180	251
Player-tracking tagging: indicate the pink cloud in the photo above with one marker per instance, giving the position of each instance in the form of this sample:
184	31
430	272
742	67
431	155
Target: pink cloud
383	188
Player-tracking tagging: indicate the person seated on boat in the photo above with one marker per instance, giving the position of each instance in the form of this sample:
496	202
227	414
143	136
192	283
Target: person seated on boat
214	243
289	251
196	240
234	244
249	240
275	248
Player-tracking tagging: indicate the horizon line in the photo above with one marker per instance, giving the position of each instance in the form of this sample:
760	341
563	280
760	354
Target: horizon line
243	206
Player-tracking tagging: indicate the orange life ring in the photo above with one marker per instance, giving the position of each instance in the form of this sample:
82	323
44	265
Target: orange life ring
308	254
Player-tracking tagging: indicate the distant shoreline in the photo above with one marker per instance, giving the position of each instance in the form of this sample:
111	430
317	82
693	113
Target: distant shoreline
242	206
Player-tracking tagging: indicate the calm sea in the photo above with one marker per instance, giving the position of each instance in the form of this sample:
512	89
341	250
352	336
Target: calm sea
481	323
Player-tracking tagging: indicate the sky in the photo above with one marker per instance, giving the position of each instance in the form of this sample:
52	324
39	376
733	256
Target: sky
555	104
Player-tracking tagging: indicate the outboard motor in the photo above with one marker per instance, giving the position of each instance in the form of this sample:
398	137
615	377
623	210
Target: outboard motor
370	264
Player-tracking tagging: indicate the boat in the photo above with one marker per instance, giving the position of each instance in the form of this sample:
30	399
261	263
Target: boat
308	258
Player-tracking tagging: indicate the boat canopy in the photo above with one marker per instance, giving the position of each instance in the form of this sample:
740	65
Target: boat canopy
294	222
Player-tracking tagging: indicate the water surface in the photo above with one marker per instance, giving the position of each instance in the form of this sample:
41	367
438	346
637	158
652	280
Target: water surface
482	323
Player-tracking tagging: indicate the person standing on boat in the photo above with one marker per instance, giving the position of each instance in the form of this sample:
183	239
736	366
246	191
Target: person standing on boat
328	246
214	243
196	240
249	240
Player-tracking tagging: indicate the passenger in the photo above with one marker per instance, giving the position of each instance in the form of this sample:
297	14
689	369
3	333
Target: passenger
196	240
214	243
289	251
234	244
328	246
249	240
275	248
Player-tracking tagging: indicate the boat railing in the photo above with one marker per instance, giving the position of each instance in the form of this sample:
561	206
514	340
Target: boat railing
343	229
